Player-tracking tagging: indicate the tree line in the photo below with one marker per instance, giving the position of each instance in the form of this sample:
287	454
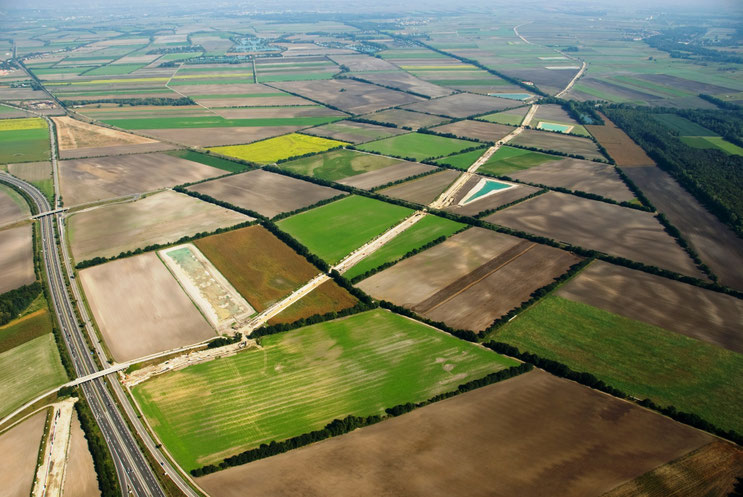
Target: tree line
131	101
13	302
108	482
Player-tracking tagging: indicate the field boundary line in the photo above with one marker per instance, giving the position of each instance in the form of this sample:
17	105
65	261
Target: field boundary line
167	85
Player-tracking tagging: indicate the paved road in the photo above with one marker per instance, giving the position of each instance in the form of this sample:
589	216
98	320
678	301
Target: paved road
132	468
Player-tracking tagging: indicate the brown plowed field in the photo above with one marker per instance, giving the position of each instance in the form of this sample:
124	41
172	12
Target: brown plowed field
215	137
12	206
515	438
621	148
402	117
709	471
82	153
386	175
608	228
462	105
16	258
31	171
702	314
277	112
576	174
90	180
405	81
476	130
140	308
352	132
19	449
363	63
266	193
73	134
567	144
348	95
553	112
161	218
715	242
80	478
423	190
491	201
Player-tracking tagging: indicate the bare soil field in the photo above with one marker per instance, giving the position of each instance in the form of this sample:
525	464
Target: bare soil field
462	105
164	217
266	101
215	137
405	82
16	258
80	478
386	175
711	470
73	134
89	180
353	132
553	112
348	95
621	148
264	192
140	308
476	130
516	437
715	243
692	311
409	118
31	171
82	153
19	449
356	63
566	144
423	190
576	174
226	89
549	80
632	234
278	112
13	207
488	202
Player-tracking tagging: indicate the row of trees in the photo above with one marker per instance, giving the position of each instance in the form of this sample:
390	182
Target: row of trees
131	101
12	303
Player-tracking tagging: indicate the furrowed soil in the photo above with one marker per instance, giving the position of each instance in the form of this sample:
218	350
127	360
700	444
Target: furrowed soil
476	130
19	449
566	144
16	258
620	146
73	134
13	207
353	132
462	105
402	117
422	190
80	478
491	441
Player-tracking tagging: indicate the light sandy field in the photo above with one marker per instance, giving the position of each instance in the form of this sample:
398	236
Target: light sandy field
576	174
422	190
89	180
163	217
209	290
82	153
515	438
630	233
265	192
19	448
16	258
140	308
12	206
702	314
74	134
31	171
80	477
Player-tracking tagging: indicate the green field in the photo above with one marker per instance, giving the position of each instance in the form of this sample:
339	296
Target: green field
426	230
216	122
209	160
510	159
338	164
23	140
278	148
29	370
682	126
417	146
334	230
301	380
504	118
27	328
462	161
716	142
638	358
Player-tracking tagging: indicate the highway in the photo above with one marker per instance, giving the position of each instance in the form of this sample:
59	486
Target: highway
135	475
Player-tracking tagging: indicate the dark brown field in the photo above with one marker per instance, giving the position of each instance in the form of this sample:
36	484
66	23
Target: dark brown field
386	175
352	132
348	95
515	438
552	112
90	180
462	105
630	233
264	192
423	190
568	144
620	146
215	137
409	118
475	130
476	288
715	243
581	175
491	201
405	82
702	314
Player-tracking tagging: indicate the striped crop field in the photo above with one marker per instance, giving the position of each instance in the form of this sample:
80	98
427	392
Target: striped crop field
298	381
